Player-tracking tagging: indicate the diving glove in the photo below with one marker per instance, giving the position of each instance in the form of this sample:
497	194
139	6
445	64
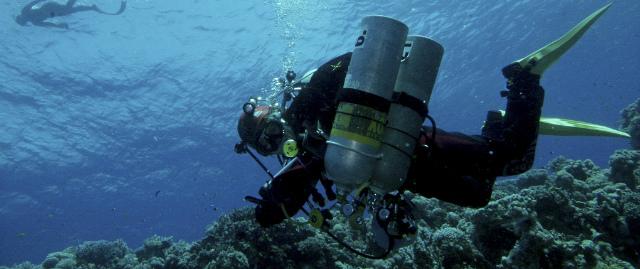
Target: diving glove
287	192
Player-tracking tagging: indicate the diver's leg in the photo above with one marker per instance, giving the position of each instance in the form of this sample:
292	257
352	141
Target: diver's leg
525	97
84	8
521	122
453	167
94	7
50	24
73	9
464	191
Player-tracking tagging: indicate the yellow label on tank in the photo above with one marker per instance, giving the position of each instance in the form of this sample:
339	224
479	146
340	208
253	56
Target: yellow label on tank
359	123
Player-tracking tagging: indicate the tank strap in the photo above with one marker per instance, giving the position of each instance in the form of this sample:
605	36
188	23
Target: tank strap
376	102
411	102
359	97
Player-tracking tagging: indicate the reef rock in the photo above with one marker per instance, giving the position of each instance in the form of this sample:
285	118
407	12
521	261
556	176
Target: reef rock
631	123
625	167
571	215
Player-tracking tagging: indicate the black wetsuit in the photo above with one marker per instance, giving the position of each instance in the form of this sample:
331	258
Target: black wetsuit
453	167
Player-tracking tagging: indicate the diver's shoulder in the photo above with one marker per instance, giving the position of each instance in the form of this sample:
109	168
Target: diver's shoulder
345	56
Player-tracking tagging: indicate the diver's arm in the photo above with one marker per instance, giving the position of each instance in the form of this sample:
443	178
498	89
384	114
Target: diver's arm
288	191
61	25
29	6
314	102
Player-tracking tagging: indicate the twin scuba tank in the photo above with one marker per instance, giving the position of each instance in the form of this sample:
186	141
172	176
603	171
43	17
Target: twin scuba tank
381	107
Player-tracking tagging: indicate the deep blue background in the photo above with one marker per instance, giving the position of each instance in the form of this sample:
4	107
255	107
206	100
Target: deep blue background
96	119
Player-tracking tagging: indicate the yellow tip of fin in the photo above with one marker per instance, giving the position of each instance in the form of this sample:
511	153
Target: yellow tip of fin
541	59
567	127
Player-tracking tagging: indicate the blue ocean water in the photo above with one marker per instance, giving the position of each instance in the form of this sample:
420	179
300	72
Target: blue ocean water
124	126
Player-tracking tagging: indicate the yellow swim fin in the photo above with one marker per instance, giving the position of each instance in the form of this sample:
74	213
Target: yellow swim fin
541	59
567	127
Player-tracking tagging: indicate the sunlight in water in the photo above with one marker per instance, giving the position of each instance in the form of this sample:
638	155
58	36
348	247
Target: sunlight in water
290	17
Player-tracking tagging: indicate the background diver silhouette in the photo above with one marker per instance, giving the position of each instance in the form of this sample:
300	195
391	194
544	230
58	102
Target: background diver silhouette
38	15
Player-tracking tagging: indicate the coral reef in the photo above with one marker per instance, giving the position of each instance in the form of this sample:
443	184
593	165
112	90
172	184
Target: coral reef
631	123
100	253
60	260
573	214
625	167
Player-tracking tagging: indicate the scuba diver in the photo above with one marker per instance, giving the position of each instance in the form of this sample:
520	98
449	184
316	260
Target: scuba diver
38	15
356	123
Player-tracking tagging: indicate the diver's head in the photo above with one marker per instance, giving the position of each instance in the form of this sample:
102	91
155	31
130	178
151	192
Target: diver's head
262	128
21	20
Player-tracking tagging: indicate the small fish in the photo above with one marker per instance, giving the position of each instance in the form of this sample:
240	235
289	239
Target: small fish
157	193
21	235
